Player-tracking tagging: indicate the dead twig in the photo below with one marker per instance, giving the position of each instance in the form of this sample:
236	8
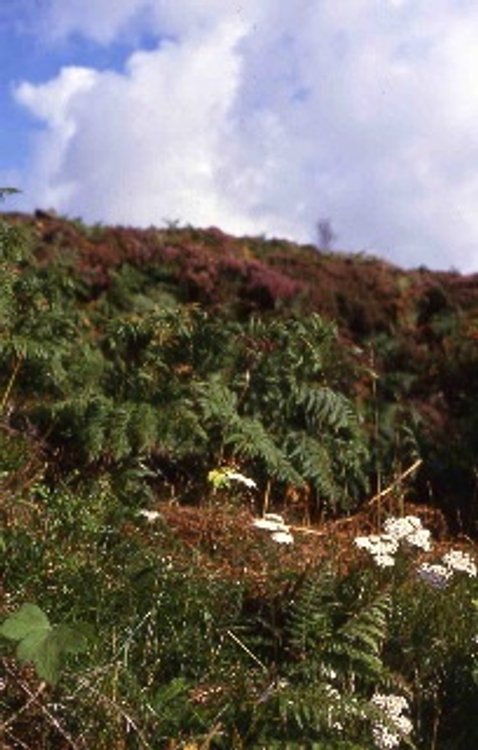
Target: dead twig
33	698
398	480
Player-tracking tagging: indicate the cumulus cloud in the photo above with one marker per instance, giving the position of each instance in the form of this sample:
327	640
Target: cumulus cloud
105	20
101	21
142	145
58	102
264	118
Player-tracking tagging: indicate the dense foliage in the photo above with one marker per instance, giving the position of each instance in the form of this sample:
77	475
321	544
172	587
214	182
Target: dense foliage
416	330
145	608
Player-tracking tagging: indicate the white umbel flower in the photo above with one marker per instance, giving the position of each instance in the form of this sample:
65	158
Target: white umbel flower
393	706
382	547
460	562
409	529
282	537
270	522
397	531
222	478
150	515
236	476
274	523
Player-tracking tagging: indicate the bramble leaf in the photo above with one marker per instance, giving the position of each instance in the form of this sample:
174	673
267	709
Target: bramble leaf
29	619
41	643
73	640
43	651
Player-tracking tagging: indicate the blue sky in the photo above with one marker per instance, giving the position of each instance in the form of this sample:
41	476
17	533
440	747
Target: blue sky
257	117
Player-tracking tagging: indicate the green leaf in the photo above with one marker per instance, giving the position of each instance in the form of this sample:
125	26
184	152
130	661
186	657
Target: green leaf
73	640
29	619
43	644
43	650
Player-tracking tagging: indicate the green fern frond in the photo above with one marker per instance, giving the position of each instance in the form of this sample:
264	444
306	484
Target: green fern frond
249	438
325	408
217	402
313	612
358	642
316	714
313	462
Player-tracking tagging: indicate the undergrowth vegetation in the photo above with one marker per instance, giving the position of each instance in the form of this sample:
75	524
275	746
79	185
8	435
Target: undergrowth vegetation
152	597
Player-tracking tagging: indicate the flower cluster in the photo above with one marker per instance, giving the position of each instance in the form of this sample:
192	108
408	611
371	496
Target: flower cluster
409	530
150	515
398	726
383	547
274	523
333	701
221	478
460	562
440	574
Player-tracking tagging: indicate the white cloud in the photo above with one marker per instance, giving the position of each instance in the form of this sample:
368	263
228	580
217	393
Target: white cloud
101	20
265	117
59	103
144	145
55	101
104	20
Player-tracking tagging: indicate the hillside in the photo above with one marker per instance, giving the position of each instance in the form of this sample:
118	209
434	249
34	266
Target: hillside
238	485
240	276
417	330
